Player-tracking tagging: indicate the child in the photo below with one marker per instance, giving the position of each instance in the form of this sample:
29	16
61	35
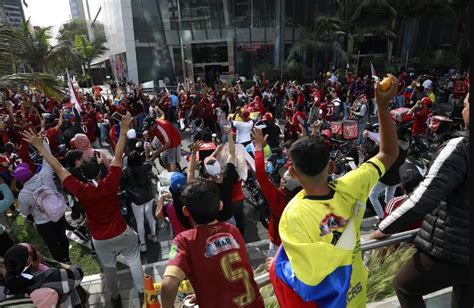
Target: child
174	209
212	255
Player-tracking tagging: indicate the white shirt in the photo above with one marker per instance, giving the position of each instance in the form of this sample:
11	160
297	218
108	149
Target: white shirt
244	130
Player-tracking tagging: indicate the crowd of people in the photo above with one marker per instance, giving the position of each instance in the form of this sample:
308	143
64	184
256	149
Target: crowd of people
55	163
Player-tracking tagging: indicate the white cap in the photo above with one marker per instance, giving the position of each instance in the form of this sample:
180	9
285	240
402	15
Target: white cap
131	134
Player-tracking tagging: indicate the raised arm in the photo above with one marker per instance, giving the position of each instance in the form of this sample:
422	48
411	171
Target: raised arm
120	147
388	151
231	158
61	118
37	141
193	161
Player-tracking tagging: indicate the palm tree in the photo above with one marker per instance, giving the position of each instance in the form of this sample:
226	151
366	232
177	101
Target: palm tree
35	49
11	44
323	35
87	51
357	19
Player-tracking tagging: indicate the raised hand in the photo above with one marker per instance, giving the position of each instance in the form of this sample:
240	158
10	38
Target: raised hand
383	98
125	122
33	138
259	139
196	146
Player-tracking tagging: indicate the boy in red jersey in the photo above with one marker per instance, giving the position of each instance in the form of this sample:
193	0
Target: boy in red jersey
212	255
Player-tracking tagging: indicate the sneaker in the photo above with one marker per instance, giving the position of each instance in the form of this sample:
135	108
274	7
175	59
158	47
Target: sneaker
116	302
81	233
93	253
143	247
153	238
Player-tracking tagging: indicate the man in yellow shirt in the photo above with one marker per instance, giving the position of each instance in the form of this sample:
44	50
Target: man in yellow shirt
320	262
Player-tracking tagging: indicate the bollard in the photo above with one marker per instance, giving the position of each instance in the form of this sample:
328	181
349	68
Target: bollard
151	294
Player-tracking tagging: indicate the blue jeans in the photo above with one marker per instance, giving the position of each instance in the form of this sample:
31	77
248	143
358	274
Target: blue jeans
345	110
398	101
374	197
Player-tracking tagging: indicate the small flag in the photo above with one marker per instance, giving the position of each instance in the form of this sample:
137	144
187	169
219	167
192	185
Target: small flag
372	71
73	95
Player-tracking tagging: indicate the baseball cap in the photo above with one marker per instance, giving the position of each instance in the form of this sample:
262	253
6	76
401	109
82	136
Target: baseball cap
131	134
148	122
212	165
177	182
410	177
22	173
267	116
290	183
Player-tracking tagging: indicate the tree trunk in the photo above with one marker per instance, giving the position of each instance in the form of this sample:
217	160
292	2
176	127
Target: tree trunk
390	42
350	47
90	74
314	68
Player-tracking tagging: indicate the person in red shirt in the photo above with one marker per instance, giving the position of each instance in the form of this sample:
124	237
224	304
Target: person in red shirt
299	119
421	112
257	105
410	177
110	234
212	256
276	197
170	140
89	126
327	109
289	108
53	133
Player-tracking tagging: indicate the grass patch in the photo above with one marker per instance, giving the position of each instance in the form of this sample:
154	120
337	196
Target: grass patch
383	266
267	291
79	254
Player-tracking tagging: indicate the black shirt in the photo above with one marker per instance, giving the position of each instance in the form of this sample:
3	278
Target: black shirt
273	132
226	187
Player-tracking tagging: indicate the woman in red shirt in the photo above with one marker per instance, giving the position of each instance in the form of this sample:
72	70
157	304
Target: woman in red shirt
421	112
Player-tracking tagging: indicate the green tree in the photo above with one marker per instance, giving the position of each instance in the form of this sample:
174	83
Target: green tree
35	50
12	44
323	35
82	51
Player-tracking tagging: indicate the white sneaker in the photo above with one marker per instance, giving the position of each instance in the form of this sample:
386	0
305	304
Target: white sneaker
142	247
153	238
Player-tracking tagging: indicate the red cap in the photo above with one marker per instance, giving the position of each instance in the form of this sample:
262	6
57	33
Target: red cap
426	101
267	116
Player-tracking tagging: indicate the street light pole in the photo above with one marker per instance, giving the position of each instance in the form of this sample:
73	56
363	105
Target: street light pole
90	33
181	46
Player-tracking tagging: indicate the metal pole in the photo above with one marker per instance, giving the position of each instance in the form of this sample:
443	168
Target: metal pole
406	61
182	49
89	24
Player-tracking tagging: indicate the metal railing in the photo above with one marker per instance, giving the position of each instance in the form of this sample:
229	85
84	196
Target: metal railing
405	236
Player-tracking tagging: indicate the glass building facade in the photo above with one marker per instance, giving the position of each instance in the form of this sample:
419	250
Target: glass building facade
218	36
190	39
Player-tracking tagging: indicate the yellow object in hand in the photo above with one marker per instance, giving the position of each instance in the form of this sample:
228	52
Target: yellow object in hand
385	84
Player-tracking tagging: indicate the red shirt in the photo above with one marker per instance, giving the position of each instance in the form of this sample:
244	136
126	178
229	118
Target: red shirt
165	131
214	259
420	117
237	192
101	204
460	89
393	204
52	135
300	99
299	118
89	128
275	197
327	111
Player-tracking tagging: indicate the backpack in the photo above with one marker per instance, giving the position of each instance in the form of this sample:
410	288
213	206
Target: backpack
50	202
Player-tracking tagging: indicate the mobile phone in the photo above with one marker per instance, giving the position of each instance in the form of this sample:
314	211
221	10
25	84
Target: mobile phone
117	116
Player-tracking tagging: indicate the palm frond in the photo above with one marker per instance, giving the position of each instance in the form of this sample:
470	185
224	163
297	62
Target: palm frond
45	82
